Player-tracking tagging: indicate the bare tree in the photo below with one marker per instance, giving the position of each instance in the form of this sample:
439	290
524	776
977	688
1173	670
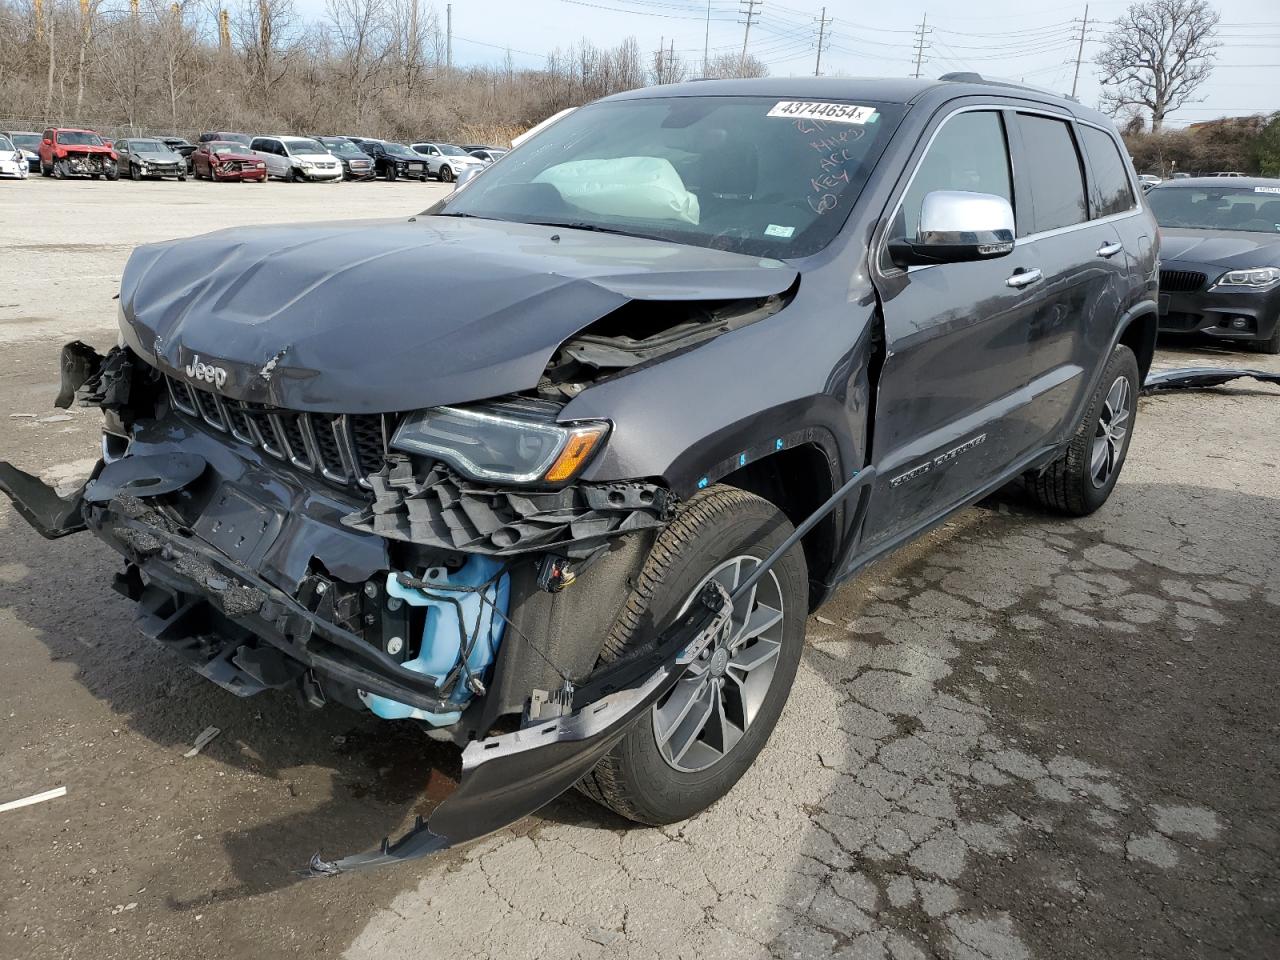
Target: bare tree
263	31
668	66
362	40
1158	55
730	65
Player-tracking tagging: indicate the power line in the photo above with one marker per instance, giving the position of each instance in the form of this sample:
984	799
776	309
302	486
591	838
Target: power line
750	11
1084	25
921	46
823	23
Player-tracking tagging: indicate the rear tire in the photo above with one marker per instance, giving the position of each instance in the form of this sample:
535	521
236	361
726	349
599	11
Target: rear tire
640	779
1081	480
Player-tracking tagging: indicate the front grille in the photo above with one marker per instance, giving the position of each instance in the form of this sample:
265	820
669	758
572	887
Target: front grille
342	448
1181	281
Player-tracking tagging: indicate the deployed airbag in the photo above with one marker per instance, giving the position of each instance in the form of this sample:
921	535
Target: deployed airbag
640	188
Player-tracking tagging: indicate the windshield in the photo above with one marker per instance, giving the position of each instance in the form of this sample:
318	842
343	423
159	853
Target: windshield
399	150
344	148
449	150
79	138
221	147
296	147
1247	209
751	174
27	141
149	146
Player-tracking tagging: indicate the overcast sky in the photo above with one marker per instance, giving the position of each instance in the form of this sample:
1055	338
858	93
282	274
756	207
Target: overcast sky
1014	39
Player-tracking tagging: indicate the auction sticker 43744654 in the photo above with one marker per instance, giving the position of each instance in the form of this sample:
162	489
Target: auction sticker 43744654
815	110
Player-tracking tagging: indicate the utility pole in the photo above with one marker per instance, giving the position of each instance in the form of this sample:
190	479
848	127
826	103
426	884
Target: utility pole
706	43
659	68
1084	25
448	36
922	31
224	31
748	8
823	22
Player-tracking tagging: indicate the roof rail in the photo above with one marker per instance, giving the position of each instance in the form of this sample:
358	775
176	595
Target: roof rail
968	76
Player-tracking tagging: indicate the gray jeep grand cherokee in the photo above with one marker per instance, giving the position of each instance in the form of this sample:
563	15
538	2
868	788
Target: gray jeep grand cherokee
557	468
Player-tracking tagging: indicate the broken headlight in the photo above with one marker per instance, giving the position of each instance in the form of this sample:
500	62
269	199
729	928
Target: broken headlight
505	445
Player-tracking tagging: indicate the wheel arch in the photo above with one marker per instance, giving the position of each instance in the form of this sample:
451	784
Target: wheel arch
1139	335
797	480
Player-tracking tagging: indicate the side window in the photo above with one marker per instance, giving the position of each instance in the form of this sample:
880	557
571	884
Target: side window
258	144
968	153
1053	172
1112	190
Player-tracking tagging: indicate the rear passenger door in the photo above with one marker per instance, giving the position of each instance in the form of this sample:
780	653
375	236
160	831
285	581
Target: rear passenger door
949	408
1068	236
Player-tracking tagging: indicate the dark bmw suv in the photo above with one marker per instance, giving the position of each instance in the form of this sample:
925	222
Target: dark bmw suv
616	416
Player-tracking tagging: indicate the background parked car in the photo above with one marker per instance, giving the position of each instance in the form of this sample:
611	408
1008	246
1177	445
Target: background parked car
68	152
393	160
296	158
12	163
224	160
1149	180
143	157
241	138
181	146
1220	258
356	164
29	143
486	154
446	160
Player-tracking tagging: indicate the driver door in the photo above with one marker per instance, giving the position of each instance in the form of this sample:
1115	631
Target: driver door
948	415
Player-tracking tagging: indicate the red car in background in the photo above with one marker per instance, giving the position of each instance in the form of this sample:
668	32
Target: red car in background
67	152
224	160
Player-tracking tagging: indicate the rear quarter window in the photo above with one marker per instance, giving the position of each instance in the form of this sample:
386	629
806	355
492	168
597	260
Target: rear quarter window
1053	173
1112	190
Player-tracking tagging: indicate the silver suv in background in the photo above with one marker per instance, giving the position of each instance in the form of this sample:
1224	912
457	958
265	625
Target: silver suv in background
296	158
445	161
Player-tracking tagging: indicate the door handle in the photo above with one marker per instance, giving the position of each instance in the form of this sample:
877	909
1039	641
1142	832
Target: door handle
1109	250
1024	278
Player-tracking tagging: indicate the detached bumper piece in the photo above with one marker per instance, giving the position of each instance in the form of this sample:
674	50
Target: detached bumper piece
508	777
1196	378
52	516
438	508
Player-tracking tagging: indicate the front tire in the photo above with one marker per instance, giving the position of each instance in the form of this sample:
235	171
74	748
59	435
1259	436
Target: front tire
390	173
134	172
697	742
1081	480
1271	345
446	174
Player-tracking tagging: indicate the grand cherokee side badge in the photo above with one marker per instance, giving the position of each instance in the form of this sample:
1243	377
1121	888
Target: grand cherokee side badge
943	458
197	370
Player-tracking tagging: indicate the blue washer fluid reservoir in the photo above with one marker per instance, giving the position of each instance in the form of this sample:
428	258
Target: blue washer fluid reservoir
442	641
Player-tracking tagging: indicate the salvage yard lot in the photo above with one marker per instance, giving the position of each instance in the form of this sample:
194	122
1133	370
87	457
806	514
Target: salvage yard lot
1021	737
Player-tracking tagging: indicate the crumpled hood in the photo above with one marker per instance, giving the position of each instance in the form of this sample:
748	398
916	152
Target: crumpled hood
1224	248
378	316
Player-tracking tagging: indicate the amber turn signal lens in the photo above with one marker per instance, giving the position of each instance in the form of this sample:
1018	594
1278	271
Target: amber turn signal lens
575	453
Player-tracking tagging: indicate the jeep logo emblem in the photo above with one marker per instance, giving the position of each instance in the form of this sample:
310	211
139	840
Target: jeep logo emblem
198	370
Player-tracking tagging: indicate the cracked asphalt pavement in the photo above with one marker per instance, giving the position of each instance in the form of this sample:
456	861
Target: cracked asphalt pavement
1020	737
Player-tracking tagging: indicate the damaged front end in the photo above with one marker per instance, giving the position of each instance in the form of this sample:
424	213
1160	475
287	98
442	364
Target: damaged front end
88	162
277	549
